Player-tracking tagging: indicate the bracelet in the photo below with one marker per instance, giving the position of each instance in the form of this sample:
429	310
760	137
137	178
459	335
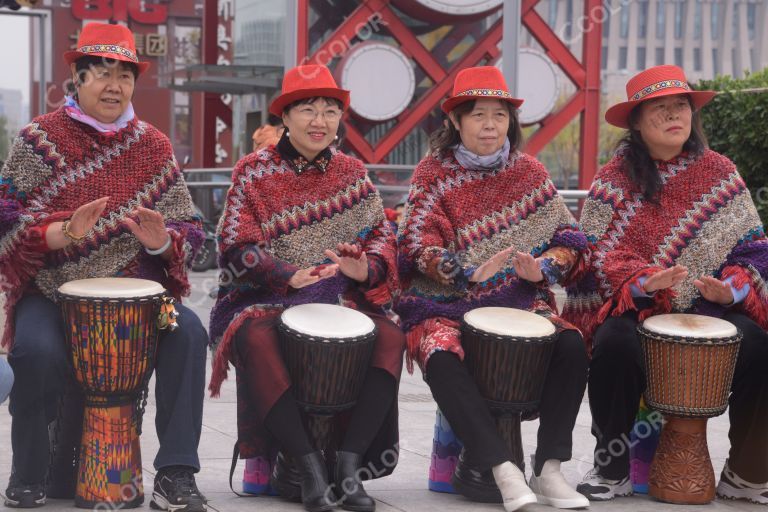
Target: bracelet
157	252
68	233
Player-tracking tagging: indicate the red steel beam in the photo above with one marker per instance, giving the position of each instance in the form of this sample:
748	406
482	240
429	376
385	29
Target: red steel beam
556	49
302	30
553	123
590	117
411	45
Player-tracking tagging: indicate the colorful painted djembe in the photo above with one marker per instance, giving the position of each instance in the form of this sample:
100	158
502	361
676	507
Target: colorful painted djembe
327	350
112	328
689	362
507	351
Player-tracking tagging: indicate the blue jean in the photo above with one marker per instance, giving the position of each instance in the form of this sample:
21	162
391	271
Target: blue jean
6	379
41	368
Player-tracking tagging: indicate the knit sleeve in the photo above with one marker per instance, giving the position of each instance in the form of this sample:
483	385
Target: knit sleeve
427	235
243	246
747	265
22	226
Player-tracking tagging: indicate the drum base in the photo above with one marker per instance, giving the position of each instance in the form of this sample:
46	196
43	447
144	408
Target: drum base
681	471
64	434
109	473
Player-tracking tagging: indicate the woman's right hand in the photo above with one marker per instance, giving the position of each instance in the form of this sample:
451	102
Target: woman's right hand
667	278
86	217
82	221
312	275
491	267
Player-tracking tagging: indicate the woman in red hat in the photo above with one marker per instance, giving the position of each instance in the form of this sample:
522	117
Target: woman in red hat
91	191
484	226
675	230
329	242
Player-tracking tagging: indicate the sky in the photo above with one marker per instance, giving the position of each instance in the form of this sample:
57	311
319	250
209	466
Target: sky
14	53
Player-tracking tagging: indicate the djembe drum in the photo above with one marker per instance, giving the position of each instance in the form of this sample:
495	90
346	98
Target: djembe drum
327	350
112	328
689	361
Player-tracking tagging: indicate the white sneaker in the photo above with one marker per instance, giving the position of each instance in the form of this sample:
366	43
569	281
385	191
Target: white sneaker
598	488
515	493
552	489
733	487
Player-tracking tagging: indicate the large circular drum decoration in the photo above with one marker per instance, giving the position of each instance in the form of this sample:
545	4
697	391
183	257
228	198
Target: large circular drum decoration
381	78
537	84
447	10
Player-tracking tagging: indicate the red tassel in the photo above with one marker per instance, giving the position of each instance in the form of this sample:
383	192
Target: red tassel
178	279
224	351
623	301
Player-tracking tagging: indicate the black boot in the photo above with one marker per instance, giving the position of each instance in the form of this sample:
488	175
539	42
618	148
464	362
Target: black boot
285	478
473	483
316	494
349	489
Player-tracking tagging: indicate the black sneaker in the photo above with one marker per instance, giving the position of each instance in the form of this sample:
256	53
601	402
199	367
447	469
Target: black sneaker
175	489
22	495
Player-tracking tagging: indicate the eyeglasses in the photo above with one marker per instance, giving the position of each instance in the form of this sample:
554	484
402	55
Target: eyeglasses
310	114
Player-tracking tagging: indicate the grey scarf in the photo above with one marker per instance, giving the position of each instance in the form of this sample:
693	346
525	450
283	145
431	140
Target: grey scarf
469	160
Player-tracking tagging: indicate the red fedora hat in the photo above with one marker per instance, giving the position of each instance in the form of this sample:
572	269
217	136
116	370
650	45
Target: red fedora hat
307	82
483	82
653	83
108	41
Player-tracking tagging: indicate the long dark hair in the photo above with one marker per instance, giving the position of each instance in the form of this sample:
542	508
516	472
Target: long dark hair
638	163
448	136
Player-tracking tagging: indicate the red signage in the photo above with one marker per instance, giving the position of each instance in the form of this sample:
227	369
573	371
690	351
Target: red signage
120	11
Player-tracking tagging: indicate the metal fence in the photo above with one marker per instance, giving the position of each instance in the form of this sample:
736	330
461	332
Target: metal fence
209	186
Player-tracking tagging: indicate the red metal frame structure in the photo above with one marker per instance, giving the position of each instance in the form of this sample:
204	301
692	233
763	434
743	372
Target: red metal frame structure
585	75
214	107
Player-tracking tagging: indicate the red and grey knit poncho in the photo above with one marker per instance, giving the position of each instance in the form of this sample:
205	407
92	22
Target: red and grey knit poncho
58	164
705	220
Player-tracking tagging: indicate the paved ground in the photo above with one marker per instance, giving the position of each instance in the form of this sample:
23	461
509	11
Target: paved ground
406	489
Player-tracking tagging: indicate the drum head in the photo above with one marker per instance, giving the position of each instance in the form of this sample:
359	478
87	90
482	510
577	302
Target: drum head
327	321
690	326
111	288
509	322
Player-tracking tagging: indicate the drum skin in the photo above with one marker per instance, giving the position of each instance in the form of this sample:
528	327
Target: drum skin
689	372
113	344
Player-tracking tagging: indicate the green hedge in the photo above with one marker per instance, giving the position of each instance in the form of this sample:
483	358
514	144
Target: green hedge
736	124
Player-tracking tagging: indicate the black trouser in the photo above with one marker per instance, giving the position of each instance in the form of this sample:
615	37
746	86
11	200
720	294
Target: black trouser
376	396
41	369
617	380
460	401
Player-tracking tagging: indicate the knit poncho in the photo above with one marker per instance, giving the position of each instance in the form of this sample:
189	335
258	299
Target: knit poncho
467	216
58	164
280	216
705	220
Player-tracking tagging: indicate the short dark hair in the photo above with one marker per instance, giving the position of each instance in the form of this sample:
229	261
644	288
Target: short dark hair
274	120
638	163
447	136
307	101
86	63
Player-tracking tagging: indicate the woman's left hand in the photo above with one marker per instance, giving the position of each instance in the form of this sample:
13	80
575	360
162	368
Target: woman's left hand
150	228
714	290
527	267
351	260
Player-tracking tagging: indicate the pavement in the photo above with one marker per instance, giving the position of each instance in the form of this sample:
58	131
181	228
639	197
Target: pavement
406	489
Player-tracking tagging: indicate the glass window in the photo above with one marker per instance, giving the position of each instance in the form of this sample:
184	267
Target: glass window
641	57
679	18
607	15
624	14
735	64
697	59
715	20
716	61
659	56
751	19
661	20
552	13
697	20
642	21
259	32
736	22
604	58
679	57
623	57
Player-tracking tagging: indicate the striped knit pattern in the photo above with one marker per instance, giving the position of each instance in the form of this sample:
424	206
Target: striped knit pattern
705	220
277	221
470	215
57	164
